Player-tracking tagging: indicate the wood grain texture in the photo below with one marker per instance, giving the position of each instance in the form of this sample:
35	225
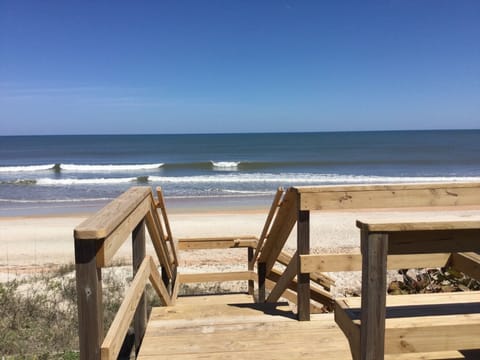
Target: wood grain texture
317	277
223	242
118	236
101	224
280	230
221	276
158	284
89	299
353	262
158	242
317	293
138	254
268	222
374	261
303	279
113	340
389	196
422	322
420	223
168	236
285	279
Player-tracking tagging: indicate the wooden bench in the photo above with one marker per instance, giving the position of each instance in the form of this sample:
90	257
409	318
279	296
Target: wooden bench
376	324
415	196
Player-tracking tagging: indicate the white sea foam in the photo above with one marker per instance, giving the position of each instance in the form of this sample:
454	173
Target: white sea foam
52	201
26	168
247	192
109	168
96	181
298	178
225	165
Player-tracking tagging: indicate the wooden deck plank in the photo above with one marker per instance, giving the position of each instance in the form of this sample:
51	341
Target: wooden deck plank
232	327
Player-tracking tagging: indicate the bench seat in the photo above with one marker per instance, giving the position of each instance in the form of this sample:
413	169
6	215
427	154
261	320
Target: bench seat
419	322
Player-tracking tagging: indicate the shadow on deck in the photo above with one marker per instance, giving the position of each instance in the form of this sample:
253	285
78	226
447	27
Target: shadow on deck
233	327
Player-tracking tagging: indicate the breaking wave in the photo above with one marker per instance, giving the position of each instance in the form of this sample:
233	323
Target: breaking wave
225	165
109	168
27	168
238	178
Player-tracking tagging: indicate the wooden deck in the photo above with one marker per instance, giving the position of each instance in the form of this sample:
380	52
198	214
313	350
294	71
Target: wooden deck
233	327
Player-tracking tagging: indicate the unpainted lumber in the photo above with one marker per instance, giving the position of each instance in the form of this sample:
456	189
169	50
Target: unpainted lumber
353	262
118	236
388	196
103	222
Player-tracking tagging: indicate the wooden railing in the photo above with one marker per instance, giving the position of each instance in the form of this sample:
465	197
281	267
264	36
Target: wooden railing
97	240
392	196
289	283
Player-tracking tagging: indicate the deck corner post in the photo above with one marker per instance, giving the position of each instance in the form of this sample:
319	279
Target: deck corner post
374	248
89	299
262	274
138	254
303	279
251	284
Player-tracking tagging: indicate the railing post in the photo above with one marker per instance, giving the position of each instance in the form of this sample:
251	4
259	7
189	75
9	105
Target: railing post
374	248
262	274
139	252
303	247
89	299
251	264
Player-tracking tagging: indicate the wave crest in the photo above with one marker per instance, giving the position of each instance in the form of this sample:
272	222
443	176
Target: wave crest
225	165
109	167
27	168
95	181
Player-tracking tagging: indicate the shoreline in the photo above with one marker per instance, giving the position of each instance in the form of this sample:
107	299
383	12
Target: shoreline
174	206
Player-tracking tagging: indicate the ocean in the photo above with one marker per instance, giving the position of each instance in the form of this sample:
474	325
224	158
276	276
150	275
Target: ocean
61	174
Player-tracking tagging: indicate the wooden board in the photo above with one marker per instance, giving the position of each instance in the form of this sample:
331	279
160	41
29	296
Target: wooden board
422	322
353	262
223	276
102	223
388	196
232	327
420	223
224	242
280	230
229	327
119	235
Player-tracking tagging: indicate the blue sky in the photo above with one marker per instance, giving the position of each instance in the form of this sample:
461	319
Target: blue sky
87	67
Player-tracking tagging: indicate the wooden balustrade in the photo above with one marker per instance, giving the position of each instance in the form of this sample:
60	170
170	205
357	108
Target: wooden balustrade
97	240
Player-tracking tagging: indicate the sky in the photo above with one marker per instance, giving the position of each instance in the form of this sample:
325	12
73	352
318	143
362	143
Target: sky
153	67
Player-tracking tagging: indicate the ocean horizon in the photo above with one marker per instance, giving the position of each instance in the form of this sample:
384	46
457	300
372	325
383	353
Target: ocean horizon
65	173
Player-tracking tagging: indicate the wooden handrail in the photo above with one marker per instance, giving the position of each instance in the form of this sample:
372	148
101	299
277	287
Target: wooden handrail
280	230
113	340
273	210
97	239
109	218
168	236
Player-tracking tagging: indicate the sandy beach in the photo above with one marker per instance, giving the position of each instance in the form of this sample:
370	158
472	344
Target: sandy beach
30	244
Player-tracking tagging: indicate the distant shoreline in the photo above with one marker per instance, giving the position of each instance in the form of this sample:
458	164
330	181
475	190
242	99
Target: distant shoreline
225	204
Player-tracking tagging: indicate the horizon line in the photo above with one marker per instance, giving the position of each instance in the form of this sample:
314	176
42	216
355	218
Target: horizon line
247	132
